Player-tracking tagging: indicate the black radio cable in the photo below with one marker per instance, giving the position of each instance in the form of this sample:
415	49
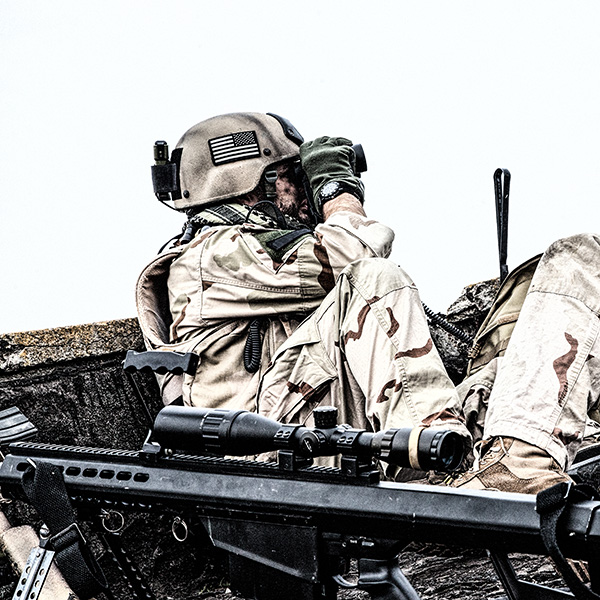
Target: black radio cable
438	319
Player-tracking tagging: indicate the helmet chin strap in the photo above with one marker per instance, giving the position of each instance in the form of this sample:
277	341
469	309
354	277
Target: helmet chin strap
270	177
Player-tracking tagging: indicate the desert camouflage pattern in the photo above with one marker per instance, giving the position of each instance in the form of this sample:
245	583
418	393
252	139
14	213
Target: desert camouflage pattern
202	297
545	389
368	351
369	341
344	326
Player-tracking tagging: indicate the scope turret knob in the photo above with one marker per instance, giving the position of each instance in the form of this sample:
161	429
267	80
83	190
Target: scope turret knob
325	417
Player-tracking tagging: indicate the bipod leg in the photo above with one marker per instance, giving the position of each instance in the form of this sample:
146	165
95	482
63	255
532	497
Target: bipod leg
515	588
138	587
31	581
384	580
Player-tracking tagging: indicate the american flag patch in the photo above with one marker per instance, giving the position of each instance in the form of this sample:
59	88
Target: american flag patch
232	147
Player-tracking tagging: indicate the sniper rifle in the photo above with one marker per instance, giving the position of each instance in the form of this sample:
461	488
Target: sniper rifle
290	528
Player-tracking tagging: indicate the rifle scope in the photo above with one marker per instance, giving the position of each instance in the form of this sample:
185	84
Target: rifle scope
242	433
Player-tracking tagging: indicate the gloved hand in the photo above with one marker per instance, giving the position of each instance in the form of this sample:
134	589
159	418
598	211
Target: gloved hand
330	160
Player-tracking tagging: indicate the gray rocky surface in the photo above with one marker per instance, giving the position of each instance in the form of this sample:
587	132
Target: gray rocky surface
467	313
70	383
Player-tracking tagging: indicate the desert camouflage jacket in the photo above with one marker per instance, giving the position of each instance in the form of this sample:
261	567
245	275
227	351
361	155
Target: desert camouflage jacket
202	297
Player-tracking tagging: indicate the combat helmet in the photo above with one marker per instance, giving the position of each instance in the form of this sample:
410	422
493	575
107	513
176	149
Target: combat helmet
222	157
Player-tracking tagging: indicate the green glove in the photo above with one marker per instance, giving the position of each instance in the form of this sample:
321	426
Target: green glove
330	160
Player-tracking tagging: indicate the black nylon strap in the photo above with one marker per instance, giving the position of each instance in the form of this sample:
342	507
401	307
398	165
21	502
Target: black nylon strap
45	488
550	505
287	239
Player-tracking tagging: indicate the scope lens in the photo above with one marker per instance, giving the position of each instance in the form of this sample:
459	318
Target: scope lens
451	451
440	450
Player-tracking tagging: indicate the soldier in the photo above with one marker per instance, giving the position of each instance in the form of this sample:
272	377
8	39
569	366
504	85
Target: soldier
253	265
290	302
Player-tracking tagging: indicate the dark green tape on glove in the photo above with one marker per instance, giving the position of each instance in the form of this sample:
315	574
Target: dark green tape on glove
330	159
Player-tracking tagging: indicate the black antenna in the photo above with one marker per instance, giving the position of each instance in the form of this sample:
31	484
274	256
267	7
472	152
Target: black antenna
501	193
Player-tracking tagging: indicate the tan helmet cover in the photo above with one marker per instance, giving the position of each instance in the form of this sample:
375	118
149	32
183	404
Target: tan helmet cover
225	156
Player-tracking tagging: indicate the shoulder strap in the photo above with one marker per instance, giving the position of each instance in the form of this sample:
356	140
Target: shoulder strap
550	504
44	486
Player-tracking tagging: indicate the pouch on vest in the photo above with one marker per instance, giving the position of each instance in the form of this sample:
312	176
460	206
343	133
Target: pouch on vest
494	334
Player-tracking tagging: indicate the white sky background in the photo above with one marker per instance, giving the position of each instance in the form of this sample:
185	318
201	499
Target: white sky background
440	94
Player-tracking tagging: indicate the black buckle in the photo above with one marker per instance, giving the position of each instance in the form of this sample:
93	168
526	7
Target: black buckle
561	494
552	498
67	537
568	491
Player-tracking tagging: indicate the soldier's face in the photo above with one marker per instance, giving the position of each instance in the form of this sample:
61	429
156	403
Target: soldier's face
291	199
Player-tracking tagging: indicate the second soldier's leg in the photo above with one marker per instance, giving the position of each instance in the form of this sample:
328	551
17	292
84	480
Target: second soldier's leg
548	379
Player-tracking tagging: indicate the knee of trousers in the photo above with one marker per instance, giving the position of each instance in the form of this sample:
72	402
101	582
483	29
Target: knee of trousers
380	273
582	247
571	266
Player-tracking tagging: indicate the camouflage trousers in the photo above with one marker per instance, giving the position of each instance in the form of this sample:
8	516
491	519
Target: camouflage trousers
368	351
546	387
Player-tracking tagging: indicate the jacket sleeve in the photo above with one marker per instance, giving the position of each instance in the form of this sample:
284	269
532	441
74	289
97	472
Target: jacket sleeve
347	237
